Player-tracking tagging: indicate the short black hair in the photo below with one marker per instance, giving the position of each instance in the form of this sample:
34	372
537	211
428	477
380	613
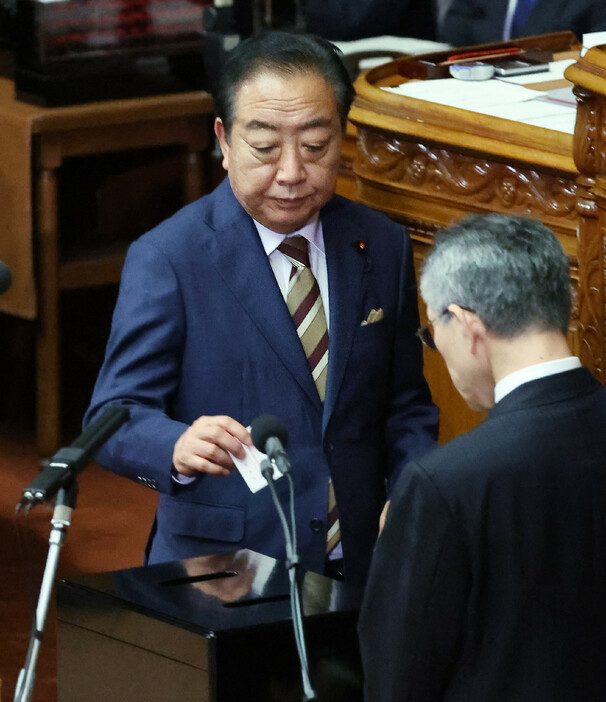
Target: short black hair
283	52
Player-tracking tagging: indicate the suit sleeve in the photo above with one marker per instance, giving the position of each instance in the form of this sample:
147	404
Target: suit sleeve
141	369
411	426
411	623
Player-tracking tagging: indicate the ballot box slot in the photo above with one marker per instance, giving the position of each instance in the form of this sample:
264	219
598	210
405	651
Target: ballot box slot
198	578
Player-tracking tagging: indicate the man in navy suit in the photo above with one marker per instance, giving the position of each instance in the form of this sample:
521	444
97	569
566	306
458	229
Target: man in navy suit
202	341
468	22
489	579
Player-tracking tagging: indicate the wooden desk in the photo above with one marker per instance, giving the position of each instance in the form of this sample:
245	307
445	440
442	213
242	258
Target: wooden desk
427	165
35	144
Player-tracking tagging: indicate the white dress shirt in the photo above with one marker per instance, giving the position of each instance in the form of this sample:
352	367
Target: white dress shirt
282	266
538	370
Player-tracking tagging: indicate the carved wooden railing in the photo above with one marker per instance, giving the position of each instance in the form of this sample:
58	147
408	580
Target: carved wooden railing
589	151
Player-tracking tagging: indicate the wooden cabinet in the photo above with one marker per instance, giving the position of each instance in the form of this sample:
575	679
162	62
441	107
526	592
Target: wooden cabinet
51	157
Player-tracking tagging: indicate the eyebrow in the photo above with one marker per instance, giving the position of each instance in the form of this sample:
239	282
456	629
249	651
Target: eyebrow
256	124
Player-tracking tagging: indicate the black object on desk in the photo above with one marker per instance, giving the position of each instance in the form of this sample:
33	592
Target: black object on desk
80	51
214	628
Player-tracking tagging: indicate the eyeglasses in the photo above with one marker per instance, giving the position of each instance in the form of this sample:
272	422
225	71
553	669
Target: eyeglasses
424	332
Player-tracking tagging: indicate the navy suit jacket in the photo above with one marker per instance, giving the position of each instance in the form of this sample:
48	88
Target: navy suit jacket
478	21
201	328
489	579
345	20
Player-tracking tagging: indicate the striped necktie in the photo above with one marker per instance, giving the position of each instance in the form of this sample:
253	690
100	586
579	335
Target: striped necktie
305	306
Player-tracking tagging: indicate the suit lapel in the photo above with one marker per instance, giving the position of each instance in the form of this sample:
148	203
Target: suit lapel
347	265
239	256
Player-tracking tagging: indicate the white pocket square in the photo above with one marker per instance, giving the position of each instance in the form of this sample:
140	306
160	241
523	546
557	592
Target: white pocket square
373	316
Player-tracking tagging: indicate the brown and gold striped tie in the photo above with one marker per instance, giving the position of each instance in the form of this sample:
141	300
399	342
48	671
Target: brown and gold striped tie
305	306
304	303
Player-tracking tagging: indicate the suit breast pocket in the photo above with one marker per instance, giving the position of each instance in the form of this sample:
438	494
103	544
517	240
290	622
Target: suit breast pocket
369	367
373	341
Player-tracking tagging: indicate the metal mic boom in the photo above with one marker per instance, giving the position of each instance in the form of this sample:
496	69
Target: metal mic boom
71	460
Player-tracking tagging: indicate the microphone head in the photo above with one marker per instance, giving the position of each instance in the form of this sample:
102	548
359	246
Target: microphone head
264	426
5	277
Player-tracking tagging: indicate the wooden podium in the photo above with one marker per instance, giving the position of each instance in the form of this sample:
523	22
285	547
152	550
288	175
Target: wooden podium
427	164
208	629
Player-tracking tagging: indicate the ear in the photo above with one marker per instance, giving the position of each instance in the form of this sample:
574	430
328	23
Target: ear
221	135
473	327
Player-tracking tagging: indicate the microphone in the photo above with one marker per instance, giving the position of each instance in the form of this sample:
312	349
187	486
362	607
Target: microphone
6	277
270	436
71	460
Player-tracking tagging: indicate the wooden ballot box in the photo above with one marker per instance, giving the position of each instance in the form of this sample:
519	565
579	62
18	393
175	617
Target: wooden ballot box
214	628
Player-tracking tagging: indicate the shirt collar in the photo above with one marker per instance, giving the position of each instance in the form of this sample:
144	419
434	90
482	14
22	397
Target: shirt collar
312	231
539	370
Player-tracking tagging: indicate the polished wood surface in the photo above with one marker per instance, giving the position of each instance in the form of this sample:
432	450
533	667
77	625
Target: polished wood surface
45	137
428	165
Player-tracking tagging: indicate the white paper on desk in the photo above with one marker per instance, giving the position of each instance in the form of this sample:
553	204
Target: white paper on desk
531	109
560	96
560	118
466	95
250	468
372	62
559	123
592	39
402	45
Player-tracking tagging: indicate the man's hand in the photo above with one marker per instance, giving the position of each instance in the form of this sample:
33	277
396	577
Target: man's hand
203	447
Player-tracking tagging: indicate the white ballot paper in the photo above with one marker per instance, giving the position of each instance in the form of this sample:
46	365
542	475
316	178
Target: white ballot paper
250	468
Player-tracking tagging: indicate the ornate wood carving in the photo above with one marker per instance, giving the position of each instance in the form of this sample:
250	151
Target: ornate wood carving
440	172
589	151
590	133
591	271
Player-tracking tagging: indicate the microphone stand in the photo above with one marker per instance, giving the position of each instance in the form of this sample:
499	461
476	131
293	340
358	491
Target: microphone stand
292	560
59	478
61	520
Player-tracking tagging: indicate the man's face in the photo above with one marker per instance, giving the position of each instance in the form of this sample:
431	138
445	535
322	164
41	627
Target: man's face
465	357
284	150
